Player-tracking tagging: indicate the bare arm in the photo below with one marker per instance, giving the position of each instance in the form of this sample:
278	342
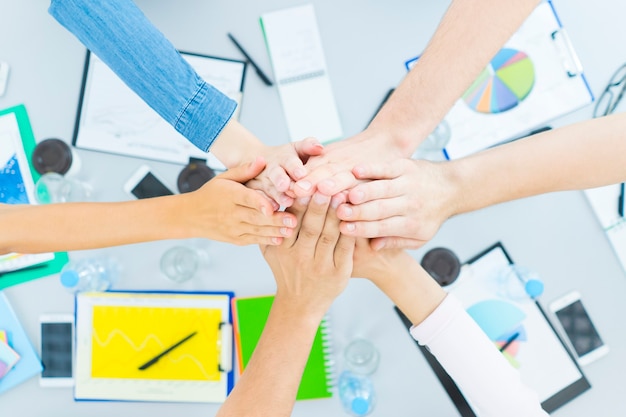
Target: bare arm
223	209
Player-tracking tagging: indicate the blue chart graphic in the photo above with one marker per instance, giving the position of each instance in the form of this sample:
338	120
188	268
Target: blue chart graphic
502	322
12	189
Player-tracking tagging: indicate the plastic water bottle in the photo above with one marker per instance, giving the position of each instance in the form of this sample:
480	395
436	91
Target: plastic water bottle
356	393
91	274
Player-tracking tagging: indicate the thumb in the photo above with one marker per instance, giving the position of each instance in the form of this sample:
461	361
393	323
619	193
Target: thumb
246	172
308	147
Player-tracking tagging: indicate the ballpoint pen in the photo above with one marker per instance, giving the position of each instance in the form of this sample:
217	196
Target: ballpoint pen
261	74
165	352
508	342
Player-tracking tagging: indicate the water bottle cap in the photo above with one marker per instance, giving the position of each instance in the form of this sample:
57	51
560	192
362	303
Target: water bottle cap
69	278
534	288
360	406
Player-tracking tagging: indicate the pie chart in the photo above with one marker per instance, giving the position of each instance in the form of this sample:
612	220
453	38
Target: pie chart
505	83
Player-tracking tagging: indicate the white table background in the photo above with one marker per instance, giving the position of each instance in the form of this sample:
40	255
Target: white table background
366	44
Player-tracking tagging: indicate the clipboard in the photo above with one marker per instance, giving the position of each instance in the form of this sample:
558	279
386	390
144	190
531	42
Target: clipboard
53	266
137	346
544	362
112	118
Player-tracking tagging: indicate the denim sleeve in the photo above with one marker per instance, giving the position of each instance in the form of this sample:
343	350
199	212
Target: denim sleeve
122	37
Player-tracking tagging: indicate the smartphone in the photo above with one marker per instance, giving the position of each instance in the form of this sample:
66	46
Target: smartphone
578	327
144	184
57	350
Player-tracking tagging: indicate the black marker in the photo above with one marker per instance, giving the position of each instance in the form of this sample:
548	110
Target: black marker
620	201
165	352
508	342
261	74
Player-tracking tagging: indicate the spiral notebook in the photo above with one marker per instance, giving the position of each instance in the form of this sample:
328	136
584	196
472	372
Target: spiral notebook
249	317
604	202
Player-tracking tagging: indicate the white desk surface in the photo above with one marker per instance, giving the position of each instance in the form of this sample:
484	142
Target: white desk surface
366	44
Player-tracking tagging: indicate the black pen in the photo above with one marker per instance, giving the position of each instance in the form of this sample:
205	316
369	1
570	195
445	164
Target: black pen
261	74
508	342
165	352
620	201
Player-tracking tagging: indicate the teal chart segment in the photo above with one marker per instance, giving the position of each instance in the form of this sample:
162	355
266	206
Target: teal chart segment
506	82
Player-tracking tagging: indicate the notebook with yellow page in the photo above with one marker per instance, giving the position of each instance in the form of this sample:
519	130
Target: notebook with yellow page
153	346
249	317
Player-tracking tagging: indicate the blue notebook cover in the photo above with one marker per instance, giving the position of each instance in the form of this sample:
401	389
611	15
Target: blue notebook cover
29	364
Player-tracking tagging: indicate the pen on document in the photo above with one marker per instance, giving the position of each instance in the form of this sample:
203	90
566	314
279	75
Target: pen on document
620	201
165	352
508	342
261	74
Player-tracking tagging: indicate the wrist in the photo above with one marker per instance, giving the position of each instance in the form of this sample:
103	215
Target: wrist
306	310
236	145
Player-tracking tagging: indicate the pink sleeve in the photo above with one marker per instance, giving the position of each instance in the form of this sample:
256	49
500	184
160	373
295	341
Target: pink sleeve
488	382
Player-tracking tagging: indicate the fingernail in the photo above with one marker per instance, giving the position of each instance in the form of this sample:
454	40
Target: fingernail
347	211
305	185
300	172
350	227
288	221
276	240
284	231
335	201
320	198
304	200
379	245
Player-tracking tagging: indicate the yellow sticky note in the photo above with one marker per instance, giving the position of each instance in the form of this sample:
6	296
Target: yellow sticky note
3	337
124	338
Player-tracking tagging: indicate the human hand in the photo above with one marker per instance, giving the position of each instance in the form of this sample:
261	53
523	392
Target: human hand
332	173
403	207
313	265
225	209
285	163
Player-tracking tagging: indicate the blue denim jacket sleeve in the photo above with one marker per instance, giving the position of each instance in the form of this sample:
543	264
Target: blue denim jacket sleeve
122	37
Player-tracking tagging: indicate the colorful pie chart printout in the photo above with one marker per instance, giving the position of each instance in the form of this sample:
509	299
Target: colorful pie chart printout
502	322
505	83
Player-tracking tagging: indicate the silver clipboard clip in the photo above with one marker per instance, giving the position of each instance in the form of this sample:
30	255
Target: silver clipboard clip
563	44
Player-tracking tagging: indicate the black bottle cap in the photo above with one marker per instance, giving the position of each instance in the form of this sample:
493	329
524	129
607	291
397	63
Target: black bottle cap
442	264
52	155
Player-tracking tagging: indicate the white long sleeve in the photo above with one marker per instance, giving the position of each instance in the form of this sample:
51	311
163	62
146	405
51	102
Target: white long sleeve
491	385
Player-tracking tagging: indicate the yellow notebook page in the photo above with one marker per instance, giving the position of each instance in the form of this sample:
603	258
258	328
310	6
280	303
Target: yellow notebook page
124	338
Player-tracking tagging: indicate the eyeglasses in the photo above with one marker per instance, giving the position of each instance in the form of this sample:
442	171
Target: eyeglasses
612	94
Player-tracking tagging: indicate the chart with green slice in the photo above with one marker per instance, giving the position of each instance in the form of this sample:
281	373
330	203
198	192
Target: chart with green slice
505	83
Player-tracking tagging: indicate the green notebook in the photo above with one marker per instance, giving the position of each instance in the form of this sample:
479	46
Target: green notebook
28	142
249	317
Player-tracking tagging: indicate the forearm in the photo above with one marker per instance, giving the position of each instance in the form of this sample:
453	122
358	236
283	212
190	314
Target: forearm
123	38
409	286
584	155
469	35
236	145
270	382
78	226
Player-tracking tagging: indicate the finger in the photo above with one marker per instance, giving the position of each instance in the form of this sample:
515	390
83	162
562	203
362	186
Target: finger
376	190
376	171
306	186
246	197
298	209
372	211
313	222
278	177
246	172
325	248
392	226
308	147
344	253
262	241
395	242
339	182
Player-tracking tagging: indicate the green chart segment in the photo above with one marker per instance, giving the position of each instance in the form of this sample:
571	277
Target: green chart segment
506	82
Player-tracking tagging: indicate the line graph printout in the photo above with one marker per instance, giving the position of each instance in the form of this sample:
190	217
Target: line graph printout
118	332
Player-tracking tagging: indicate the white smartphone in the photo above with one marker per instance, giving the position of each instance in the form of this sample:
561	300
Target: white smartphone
144	184
578	327
57	350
